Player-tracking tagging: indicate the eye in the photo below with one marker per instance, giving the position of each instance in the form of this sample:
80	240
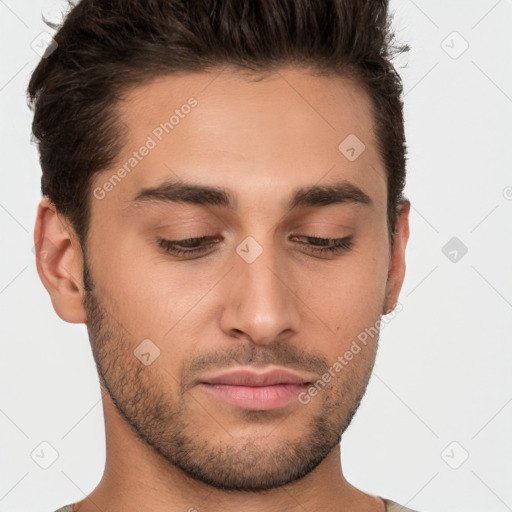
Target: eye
188	246
328	245
197	246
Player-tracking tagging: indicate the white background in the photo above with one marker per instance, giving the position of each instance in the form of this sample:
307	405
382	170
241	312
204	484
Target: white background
443	369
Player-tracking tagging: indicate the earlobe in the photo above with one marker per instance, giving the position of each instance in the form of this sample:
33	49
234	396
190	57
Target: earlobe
396	272
59	262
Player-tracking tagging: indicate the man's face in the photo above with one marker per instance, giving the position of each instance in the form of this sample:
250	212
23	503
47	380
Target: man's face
261	295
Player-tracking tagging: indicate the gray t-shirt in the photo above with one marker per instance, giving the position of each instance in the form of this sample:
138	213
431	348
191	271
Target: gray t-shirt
391	506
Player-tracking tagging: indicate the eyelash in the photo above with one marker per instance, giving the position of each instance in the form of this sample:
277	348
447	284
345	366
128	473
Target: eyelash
337	246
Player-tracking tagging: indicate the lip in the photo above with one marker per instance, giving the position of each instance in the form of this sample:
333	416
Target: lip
249	377
252	390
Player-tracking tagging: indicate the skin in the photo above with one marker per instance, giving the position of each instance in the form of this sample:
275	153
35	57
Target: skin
170	445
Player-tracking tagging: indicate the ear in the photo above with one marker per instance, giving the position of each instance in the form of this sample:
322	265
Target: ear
59	262
396	272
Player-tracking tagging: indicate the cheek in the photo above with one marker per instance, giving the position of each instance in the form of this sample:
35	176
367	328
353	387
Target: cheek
149	295
352	281
349	298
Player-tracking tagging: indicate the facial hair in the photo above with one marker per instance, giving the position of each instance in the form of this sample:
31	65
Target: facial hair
164	420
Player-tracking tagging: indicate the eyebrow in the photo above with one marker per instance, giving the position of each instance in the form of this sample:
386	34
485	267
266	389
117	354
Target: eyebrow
204	195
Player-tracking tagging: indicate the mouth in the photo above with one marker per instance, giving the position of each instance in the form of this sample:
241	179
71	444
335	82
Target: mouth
251	390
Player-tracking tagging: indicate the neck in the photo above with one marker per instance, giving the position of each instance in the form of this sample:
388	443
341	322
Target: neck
139	478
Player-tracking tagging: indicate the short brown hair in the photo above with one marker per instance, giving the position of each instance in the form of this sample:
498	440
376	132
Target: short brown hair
105	47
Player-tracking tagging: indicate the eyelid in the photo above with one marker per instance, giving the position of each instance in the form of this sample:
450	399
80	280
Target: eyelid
333	247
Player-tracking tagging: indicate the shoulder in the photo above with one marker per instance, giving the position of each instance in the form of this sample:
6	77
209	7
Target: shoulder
392	506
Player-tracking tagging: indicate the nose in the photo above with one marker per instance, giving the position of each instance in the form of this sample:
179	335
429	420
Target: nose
261	304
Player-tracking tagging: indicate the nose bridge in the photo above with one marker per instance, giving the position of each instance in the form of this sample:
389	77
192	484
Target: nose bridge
262	304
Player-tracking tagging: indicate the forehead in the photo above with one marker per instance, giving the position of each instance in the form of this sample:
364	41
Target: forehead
287	130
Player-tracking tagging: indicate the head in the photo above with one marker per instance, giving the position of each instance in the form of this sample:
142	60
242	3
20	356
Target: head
267	131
